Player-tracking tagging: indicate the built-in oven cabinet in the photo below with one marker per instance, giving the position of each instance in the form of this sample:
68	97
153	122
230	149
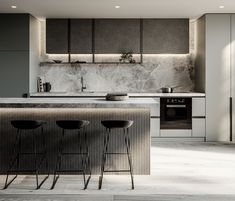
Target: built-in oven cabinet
155	127
199	127
198	107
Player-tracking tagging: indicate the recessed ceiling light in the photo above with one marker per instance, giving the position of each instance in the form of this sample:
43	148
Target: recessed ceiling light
117	6
221	6
13	6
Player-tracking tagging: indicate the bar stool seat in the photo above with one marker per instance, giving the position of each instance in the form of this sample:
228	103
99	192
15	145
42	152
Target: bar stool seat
111	125
72	124
27	124
39	157
78	125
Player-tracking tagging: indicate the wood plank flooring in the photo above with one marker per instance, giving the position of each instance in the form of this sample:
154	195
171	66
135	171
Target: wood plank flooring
27	197
180	171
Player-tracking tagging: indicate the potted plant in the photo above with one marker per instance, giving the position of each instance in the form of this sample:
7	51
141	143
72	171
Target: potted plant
126	57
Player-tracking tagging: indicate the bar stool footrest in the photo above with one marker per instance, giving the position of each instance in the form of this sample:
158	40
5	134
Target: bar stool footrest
116	153
74	171
73	153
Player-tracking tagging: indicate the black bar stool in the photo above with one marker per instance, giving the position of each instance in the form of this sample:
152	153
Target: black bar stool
39	157
73	125
110	125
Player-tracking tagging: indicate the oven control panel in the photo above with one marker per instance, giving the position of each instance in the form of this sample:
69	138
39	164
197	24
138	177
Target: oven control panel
175	100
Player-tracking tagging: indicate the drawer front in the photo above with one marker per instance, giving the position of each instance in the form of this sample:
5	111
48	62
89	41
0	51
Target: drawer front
176	133
199	127
198	107
155	127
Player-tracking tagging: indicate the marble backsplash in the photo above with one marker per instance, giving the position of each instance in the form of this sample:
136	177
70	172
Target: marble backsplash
155	72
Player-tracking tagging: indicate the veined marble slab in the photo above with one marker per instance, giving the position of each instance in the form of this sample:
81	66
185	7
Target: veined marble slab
77	102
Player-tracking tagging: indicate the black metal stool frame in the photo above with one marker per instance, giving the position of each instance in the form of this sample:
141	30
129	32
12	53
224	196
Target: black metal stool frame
16	159
85	160
105	153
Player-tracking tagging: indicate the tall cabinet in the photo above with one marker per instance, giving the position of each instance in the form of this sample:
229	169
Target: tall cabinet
214	73
19	54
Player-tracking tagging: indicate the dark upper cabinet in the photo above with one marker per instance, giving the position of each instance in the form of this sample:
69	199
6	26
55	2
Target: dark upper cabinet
57	36
81	36
114	36
165	36
14	34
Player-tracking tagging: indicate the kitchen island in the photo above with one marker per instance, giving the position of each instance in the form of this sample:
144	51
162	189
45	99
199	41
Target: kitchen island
93	110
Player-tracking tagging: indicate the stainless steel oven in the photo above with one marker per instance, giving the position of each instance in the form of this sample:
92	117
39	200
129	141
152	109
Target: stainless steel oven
176	113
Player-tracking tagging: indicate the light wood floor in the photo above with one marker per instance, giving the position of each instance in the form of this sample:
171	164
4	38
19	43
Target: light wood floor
179	171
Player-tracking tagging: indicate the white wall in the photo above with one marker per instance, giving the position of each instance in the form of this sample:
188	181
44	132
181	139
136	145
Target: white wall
233	71
34	54
200	60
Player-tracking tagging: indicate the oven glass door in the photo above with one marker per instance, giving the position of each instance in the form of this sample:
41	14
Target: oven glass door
176	116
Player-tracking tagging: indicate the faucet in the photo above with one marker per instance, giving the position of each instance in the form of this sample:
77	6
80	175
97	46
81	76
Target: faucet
83	86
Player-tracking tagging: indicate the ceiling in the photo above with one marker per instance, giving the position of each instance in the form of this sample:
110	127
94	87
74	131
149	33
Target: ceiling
128	8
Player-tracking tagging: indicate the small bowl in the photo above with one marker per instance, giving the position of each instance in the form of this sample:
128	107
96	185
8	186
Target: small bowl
57	61
117	97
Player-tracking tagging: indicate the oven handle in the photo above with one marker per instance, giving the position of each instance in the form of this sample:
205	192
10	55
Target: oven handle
176	106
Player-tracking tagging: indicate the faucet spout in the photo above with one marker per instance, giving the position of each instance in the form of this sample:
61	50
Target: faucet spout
83	86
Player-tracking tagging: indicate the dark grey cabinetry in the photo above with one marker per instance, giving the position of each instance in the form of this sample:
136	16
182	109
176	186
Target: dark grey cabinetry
14	32
57	36
165	36
81	36
19	50
113	36
14	75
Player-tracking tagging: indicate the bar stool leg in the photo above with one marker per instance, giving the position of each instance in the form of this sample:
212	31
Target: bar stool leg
87	162
17	145
41	160
82	157
105	149
45	151
127	142
35	158
58	161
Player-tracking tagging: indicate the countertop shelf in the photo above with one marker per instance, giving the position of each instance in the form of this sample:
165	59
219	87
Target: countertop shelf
103	94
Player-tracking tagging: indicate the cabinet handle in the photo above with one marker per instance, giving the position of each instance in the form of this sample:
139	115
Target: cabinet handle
176	106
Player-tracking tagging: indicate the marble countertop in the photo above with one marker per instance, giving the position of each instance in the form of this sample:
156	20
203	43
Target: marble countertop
102	94
76	102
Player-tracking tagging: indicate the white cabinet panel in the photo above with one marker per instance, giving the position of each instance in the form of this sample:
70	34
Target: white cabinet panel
176	133
233	72
155	127
199	127
155	109
198	107
217	76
